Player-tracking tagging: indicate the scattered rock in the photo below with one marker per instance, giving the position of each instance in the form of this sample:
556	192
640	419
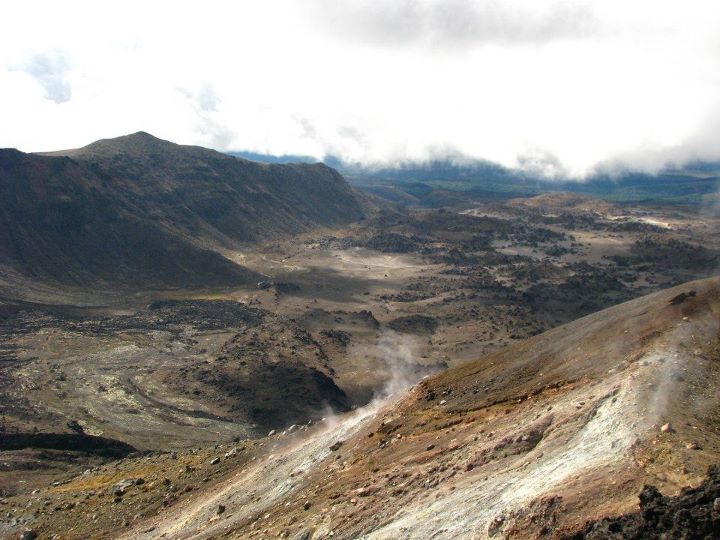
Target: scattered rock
667	428
220	509
75	426
122	486
307	505
215	461
336	446
28	535
365	492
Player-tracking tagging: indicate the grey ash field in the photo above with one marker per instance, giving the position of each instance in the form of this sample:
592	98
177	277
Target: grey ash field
314	332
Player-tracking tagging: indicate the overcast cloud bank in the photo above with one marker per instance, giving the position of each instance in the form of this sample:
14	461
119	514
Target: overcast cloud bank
558	87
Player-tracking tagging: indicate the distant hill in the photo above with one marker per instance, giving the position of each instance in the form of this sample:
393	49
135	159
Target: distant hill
269	158
140	211
446	182
443	183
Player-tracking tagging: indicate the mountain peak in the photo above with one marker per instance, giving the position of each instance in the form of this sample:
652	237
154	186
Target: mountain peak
138	136
142	134
140	143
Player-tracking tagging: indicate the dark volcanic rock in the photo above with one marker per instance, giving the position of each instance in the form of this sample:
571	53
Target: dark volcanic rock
338	336
692	514
414	324
205	314
392	243
75	426
90	444
680	298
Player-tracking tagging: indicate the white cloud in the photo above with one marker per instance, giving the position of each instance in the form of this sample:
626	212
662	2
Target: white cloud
456	24
49	70
563	86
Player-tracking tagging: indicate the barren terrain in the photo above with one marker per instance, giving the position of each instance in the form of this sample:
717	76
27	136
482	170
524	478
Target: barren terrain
533	440
339	324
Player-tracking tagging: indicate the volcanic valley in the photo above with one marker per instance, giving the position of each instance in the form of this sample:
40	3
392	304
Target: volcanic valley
193	345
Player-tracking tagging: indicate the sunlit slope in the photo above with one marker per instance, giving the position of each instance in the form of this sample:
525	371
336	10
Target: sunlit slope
533	440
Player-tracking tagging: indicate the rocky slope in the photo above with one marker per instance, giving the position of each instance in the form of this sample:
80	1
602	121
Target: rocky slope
695	513
144	212
533	441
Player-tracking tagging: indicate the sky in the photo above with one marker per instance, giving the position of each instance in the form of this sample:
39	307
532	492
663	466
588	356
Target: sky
563	88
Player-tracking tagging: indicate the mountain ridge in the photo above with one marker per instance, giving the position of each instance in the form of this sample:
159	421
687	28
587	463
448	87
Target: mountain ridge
91	215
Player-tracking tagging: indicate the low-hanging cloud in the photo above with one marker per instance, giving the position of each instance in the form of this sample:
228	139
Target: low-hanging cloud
559	87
